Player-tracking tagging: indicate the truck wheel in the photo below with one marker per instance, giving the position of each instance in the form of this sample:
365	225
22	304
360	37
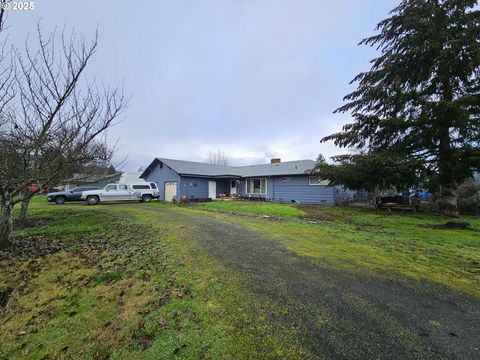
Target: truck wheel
60	200
92	200
146	198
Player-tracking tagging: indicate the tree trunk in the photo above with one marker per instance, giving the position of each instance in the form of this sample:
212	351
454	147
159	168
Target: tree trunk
6	223
447	195
447	202
24	209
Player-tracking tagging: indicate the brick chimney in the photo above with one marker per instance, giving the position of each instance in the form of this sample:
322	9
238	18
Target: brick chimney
275	161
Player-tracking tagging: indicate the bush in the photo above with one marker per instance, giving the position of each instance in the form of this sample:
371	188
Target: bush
469	197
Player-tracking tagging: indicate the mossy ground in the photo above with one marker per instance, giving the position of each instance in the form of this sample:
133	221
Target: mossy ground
111	282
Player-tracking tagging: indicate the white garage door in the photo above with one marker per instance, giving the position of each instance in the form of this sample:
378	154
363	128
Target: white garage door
170	190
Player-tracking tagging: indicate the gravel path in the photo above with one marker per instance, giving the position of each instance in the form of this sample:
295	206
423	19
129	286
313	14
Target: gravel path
335	314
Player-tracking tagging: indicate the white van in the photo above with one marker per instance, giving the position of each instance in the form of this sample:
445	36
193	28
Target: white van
142	191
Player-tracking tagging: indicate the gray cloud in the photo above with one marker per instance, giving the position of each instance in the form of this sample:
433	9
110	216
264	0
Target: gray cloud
254	78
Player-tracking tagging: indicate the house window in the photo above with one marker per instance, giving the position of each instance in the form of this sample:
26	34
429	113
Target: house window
316	180
257	186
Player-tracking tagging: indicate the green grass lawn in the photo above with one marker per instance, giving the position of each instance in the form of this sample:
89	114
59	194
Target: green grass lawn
394	245
252	208
109	282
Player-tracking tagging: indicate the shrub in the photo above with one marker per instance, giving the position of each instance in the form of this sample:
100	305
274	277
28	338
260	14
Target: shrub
469	197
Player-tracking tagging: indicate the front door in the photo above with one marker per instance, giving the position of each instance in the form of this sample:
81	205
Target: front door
212	189
170	190
233	187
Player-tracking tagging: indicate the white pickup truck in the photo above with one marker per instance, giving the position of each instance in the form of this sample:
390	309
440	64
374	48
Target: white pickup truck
142	191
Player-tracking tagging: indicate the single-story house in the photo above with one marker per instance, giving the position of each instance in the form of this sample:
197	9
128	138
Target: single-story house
278	181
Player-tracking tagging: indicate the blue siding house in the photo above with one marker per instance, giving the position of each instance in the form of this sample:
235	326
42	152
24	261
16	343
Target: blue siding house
278	181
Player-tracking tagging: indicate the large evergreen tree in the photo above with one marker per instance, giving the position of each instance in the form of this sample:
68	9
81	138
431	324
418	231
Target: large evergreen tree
421	97
371	172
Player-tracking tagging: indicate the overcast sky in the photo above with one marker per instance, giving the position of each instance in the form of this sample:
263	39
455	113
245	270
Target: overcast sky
254	78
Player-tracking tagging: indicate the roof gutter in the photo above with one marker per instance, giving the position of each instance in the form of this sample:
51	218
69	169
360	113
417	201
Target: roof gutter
212	176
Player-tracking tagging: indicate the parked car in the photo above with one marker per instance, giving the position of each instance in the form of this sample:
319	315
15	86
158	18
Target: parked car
143	191
75	194
421	195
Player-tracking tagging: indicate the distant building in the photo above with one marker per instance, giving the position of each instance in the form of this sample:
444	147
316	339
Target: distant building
91	180
130	177
102	180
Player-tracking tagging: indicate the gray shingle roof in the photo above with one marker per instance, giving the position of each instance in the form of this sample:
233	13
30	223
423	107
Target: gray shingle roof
183	167
298	167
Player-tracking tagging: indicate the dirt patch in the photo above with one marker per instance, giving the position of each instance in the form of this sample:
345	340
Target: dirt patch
451	225
89	247
23	248
240	214
29	223
367	227
315	212
4	296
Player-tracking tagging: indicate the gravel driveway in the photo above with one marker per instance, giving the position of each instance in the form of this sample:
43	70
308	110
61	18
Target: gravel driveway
335	314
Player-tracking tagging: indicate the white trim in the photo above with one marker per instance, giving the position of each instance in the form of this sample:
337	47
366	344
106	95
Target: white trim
320	183
257	178
212	189
233	190
165	190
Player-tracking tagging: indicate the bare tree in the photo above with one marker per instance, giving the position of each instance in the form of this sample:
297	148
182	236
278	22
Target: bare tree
7	73
57	120
3	14
217	157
